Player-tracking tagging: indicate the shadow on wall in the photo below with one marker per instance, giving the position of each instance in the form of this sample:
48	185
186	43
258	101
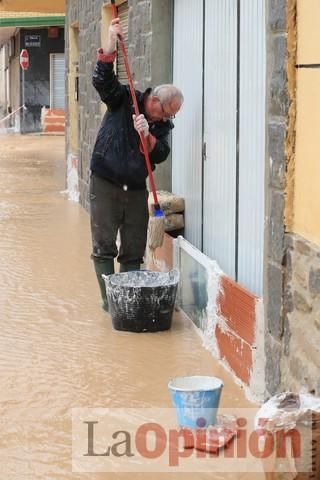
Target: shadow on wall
31	119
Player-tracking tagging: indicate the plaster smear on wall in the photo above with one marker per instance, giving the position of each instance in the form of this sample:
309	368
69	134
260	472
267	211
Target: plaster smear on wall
210	321
211	318
257	378
255	392
72	179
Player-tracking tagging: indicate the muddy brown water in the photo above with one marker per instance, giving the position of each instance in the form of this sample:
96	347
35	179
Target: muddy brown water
58	350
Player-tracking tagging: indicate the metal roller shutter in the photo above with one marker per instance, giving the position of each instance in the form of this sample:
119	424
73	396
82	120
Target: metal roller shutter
123	11
221	175
187	134
57	80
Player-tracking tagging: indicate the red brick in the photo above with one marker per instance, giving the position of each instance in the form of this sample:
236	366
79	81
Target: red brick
236	352
237	306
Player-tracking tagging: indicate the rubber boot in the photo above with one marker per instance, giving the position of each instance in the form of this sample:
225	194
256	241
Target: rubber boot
129	267
105	267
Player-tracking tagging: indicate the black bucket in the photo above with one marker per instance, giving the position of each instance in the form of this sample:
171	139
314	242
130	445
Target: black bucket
142	301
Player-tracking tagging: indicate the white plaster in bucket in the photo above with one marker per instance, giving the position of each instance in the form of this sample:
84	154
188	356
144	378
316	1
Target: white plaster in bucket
195	383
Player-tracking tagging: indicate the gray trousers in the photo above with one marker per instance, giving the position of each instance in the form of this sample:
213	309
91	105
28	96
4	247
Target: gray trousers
113	209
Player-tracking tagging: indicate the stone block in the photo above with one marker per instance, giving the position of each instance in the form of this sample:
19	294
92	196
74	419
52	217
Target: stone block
287	269
131	17
274	304
133	3
314	281
148	48
288	300
273	360
298	369
279	100
140	47
286	337
98	5
278	15
82	65
300	303
300	272
289	240
303	247
276	226
144	12
277	136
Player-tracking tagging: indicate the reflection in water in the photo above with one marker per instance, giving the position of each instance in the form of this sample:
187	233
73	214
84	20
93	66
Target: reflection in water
194	283
58	350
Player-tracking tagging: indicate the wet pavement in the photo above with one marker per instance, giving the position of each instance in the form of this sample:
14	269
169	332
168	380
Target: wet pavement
57	347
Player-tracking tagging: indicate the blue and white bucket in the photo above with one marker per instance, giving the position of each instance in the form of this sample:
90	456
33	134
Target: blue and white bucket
196	400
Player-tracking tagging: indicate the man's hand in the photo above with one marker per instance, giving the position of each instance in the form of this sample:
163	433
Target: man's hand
141	124
114	30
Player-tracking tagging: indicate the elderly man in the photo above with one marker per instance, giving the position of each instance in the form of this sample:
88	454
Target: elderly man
118	194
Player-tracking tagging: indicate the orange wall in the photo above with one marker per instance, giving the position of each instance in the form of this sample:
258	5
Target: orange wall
307	164
54	6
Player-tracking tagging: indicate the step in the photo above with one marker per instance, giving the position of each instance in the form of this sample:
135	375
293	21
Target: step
54	120
53	128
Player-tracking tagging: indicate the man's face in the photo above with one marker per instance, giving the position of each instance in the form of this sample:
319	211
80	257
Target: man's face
157	112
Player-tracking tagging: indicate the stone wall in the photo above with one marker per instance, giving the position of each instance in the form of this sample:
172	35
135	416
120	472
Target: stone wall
278	105
292	337
147	44
300	363
87	15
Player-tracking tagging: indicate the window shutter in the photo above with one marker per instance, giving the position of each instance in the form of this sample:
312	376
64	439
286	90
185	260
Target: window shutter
123	11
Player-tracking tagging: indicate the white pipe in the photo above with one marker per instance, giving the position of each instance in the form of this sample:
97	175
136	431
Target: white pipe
12	113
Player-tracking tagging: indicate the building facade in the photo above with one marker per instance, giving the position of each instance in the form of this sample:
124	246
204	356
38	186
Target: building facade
244	157
40	88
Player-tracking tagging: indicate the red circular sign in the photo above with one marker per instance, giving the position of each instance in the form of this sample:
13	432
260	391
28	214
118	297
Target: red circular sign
24	59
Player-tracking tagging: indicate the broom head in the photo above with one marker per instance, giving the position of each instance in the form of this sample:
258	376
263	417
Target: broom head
156	229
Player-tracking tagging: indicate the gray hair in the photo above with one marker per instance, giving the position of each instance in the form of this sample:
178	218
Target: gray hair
166	93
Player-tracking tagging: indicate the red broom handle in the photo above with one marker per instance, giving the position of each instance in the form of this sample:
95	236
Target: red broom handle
136	110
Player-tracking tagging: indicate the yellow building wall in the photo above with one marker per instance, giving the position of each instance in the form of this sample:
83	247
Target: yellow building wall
73	103
308	17
44	6
306	214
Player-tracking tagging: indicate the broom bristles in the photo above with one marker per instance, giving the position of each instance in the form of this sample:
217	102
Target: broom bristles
155	232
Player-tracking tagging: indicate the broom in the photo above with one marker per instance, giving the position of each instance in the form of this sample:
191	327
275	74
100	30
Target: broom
156	220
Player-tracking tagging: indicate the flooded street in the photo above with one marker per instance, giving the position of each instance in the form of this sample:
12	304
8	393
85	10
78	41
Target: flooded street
58	350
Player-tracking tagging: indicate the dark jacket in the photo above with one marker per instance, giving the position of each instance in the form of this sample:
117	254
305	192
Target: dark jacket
116	154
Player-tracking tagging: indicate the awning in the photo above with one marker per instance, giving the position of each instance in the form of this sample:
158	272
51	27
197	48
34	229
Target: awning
31	19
